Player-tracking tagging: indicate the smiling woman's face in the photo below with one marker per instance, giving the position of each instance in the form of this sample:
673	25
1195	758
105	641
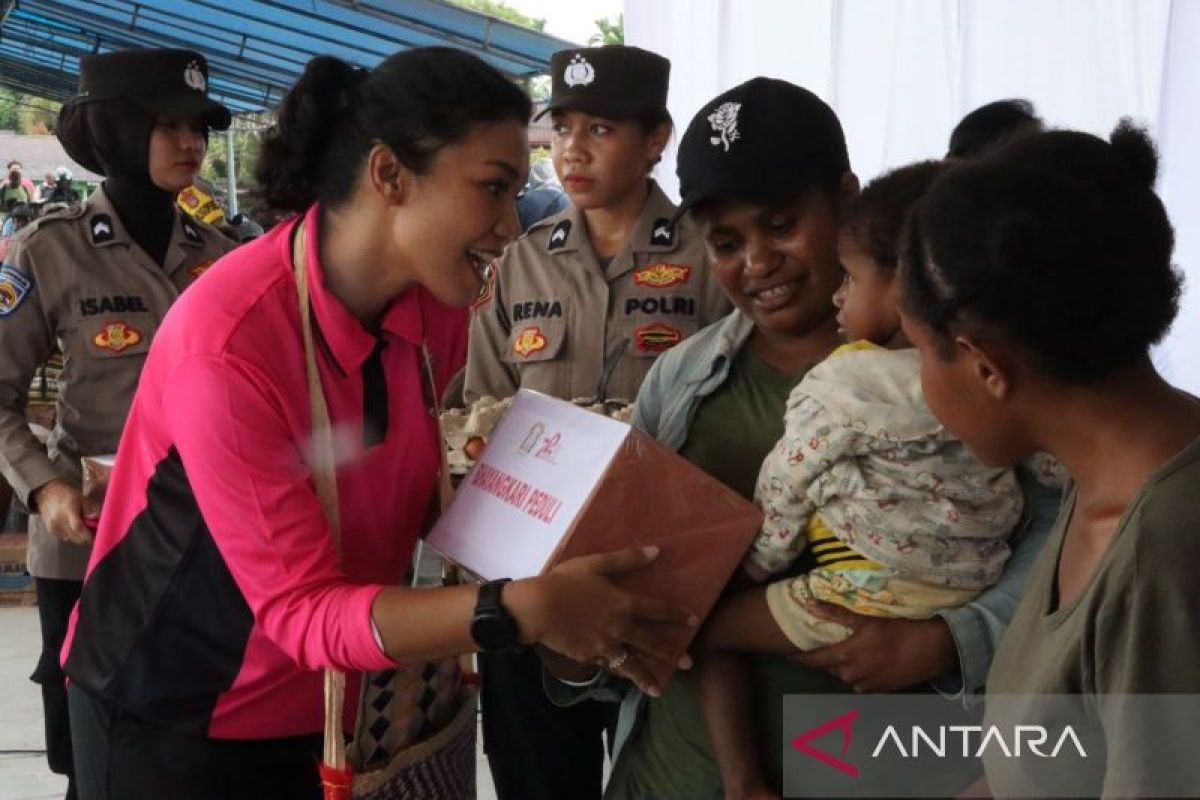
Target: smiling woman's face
177	149
459	215
779	265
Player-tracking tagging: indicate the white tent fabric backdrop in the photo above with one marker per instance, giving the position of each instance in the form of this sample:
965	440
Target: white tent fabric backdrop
901	73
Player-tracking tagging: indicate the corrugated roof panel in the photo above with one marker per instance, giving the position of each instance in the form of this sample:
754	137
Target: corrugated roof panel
256	48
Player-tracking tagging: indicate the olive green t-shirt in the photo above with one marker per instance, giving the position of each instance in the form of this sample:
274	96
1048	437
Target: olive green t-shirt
735	427
669	755
1134	629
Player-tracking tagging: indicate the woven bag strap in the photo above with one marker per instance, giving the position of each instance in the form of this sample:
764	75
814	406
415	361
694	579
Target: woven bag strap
324	476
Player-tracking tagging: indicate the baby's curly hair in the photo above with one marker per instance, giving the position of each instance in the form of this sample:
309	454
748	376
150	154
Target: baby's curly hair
875	219
1057	243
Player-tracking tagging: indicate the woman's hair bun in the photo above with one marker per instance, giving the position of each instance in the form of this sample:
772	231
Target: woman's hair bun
414	101
1133	146
289	168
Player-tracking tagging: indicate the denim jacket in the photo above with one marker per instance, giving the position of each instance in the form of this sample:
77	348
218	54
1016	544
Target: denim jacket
691	371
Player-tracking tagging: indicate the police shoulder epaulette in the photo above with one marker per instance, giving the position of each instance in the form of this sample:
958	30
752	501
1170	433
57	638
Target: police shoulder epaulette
73	211
545	222
27	233
209	231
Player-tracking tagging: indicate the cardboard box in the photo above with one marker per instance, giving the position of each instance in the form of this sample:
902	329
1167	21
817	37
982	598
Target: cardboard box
557	481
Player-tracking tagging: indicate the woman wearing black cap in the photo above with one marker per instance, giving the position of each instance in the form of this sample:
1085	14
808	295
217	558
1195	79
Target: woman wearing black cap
765	169
98	279
580	307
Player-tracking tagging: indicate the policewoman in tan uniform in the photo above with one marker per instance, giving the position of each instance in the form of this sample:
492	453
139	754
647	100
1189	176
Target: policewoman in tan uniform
97	280
580	307
585	301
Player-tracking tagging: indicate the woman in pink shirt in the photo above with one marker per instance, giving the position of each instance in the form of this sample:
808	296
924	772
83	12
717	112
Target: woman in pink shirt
216	592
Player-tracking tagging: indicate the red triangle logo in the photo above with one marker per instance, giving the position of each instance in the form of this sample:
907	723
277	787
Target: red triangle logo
845	724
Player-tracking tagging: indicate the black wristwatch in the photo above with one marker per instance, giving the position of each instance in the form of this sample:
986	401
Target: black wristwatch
492	627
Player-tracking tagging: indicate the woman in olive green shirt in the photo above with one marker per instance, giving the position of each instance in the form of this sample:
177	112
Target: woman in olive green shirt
1034	285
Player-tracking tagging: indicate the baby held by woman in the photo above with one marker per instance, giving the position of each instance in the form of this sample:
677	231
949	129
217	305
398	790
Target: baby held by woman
901	520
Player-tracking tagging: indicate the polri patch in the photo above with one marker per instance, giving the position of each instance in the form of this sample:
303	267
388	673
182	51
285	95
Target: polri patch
102	229
662	232
559	235
662	275
529	341
656	337
116	336
14	288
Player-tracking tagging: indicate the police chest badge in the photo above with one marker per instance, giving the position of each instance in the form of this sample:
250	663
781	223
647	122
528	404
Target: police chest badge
579	72
14	288
656	337
116	336
662	276
724	122
529	341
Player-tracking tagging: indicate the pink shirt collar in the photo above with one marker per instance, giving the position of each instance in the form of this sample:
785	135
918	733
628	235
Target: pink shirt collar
347	339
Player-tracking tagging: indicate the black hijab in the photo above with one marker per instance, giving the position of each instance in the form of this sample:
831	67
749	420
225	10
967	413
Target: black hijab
112	137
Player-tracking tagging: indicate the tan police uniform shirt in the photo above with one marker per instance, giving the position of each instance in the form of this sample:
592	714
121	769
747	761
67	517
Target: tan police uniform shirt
76	278
554	316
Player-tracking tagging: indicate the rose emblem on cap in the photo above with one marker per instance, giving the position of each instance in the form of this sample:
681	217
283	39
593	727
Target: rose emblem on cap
579	72
724	123
194	77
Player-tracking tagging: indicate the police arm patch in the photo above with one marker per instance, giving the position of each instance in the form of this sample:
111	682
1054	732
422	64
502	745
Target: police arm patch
14	288
529	341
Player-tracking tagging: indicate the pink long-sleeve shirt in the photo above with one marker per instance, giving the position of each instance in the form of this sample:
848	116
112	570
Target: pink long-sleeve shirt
214	595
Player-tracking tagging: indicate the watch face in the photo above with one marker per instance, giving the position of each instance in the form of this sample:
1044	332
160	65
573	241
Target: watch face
494	631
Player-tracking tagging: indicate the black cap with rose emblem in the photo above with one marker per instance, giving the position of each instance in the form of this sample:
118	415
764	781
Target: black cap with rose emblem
615	81
765	141
171	84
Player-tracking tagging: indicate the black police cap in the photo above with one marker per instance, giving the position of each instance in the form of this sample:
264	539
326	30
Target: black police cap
615	81
764	141
172	84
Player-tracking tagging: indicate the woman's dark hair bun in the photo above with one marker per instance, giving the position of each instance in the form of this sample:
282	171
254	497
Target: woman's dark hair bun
1057	243
1134	148
415	101
292	148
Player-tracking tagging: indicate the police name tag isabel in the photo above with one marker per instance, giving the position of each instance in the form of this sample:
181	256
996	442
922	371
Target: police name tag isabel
557	481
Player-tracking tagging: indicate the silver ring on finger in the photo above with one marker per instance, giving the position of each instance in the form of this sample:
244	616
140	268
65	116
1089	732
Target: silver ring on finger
617	661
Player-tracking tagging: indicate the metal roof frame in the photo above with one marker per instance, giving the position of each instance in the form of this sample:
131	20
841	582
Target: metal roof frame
255	48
